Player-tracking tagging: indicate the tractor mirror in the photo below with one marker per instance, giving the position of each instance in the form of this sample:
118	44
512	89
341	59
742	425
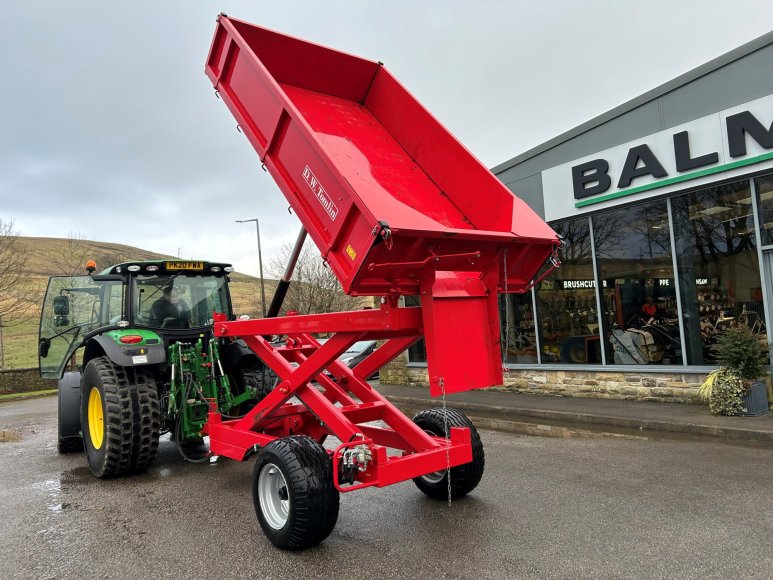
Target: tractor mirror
61	306
43	346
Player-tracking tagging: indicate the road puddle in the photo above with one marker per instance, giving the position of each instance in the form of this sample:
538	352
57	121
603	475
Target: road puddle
52	488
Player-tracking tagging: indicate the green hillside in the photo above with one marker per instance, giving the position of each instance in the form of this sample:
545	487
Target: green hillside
46	257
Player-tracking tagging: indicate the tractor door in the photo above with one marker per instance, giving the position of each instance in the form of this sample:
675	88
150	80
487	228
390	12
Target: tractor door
74	306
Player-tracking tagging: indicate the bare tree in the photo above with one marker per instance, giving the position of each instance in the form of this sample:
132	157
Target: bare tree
71	261
79	249
314	287
105	258
14	294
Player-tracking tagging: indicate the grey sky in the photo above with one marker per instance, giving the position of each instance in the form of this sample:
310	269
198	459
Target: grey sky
111	130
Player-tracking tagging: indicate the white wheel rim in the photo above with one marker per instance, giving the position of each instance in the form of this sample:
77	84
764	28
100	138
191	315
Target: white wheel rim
436	476
274	496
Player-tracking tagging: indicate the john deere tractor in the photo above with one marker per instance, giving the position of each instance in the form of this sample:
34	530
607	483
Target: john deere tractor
135	356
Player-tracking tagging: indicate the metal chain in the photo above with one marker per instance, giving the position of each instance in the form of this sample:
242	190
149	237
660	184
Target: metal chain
448	438
507	320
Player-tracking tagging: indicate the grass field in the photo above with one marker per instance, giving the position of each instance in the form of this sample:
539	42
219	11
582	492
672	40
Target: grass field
19	345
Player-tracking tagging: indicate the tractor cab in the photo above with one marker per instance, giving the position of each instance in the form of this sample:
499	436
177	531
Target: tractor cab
156	300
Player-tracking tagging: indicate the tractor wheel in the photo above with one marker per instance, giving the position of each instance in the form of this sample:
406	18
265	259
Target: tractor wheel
293	492
253	374
107	418
147	419
257	376
464	478
69	399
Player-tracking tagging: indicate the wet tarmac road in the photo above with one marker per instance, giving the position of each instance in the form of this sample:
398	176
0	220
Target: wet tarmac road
547	508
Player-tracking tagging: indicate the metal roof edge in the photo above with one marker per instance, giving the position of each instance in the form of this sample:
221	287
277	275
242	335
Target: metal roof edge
683	79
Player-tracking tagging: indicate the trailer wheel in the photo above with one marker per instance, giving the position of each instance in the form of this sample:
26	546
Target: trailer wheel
464	478
107	417
293	492
69	399
147	419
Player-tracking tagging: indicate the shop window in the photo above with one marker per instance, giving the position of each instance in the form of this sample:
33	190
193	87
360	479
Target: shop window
566	301
765	205
633	250
719	274
516	317
417	352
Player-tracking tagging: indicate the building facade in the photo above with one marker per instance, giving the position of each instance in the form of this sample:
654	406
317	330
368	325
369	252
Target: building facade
666	208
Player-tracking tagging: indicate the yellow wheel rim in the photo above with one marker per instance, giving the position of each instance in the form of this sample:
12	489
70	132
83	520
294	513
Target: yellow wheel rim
96	418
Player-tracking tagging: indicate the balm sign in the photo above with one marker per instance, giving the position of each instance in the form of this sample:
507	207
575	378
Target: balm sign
592	177
721	142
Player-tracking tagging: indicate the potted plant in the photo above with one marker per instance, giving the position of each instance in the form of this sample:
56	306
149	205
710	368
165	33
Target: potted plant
736	388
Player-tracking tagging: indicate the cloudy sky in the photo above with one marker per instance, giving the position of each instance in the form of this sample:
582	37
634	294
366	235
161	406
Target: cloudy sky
110	130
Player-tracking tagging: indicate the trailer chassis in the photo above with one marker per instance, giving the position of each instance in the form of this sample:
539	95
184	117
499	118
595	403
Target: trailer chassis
346	407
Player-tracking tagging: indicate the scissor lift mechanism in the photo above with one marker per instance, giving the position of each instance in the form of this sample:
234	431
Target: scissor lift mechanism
397	207
341	408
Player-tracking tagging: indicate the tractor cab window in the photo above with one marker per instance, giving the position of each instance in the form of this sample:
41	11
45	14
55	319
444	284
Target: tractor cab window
73	307
178	300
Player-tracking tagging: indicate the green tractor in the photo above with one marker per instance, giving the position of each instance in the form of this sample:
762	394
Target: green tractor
135	356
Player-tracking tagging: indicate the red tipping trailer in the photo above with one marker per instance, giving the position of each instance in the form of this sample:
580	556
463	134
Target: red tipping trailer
397	207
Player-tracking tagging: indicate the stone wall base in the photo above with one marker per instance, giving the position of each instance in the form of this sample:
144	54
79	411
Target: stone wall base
662	387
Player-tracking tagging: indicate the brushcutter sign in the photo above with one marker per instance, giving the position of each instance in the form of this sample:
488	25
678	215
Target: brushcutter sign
727	142
320	193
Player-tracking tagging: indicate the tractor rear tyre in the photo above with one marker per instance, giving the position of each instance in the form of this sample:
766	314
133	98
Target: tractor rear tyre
107	418
464	478
257	376
146	413
252	374
69	399
293	492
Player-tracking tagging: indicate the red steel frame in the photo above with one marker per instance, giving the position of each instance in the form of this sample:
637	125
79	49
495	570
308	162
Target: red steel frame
342	407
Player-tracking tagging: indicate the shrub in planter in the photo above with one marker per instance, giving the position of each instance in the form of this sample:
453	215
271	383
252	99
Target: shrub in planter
724	391
743	360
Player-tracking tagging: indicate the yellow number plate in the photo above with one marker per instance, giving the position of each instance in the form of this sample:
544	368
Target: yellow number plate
185	265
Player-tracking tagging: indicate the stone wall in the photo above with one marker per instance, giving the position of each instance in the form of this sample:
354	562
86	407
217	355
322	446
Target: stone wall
677	387
23	381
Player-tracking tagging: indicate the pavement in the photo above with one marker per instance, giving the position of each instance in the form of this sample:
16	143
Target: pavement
574	416
566	416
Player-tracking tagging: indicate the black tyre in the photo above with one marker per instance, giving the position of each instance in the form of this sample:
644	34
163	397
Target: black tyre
293	492
69	399
258	376
464	478
107	418
252	374
146	414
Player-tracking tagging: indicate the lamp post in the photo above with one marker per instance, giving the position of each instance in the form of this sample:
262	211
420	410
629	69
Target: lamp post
260	263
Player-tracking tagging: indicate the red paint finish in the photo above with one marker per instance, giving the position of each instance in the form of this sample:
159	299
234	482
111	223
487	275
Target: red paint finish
397	206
